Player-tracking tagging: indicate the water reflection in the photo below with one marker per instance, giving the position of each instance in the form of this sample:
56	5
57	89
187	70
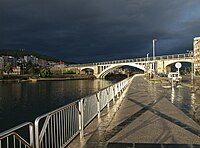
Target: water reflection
193	101
172	95
20	102
183	99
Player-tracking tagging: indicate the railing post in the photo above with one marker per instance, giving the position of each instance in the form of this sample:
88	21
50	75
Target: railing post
113	94
108	105
118	88
80	106
37	144
98	105
31	135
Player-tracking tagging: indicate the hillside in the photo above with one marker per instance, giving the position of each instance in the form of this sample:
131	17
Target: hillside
22	53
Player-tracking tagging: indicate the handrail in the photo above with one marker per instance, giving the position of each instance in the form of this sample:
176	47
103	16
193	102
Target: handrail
51	125
58	128
16	138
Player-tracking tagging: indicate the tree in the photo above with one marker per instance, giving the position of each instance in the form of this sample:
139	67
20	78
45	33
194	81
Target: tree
45	72
8	68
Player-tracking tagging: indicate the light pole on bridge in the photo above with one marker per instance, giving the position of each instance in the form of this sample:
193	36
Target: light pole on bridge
147	57
154	55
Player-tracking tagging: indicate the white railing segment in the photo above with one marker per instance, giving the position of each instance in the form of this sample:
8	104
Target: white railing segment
12	138
56	129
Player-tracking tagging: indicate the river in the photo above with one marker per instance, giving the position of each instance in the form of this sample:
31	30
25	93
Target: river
21	102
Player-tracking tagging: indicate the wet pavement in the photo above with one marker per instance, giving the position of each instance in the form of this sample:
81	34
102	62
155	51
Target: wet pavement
146	115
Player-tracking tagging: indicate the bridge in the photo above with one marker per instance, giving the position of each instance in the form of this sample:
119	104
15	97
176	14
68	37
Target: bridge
101	69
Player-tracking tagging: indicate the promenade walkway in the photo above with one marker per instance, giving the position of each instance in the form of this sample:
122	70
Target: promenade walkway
144	115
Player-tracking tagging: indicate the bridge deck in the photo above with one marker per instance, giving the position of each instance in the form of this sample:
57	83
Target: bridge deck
145	115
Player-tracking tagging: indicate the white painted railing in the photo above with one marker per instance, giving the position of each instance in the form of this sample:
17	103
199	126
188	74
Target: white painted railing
21	136
58	128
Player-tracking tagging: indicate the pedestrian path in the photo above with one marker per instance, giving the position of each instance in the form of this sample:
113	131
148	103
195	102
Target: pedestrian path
144	116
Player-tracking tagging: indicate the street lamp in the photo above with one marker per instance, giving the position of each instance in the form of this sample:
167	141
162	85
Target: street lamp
147	57
154	54
147	65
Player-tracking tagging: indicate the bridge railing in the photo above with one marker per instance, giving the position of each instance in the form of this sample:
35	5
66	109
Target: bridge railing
175	56
18	137
59	127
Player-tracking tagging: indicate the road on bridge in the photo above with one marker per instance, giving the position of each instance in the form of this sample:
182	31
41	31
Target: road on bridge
144	115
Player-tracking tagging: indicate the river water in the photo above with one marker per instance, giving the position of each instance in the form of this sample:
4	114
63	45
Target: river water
21	102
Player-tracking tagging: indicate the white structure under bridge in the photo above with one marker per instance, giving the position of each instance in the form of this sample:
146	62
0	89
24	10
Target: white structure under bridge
101	69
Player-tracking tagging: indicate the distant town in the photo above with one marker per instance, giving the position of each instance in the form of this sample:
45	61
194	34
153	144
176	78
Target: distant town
28	65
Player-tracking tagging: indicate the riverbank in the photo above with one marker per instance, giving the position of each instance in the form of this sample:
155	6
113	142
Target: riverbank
28	78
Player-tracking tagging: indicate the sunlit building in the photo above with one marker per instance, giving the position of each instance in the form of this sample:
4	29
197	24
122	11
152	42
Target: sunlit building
31	59
196	45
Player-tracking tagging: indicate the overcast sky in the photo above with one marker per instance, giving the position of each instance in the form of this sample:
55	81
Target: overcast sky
97	30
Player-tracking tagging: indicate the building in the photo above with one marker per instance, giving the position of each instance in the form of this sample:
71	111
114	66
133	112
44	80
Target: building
196	46
1	62
20	60
10	60
42	62
15	71
59	67
31	59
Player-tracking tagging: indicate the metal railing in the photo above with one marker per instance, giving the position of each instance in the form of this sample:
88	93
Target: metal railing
175	56
58	128
12	138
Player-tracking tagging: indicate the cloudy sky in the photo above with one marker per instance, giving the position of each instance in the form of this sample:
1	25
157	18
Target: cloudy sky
97	30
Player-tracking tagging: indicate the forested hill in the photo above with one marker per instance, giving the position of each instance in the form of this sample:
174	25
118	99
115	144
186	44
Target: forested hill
22	53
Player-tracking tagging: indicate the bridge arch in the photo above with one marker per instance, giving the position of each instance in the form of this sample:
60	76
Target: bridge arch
176	61
114	66
170	63
87	70
83	68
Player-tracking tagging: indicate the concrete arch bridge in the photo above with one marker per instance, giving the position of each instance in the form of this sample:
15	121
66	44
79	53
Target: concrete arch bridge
101	69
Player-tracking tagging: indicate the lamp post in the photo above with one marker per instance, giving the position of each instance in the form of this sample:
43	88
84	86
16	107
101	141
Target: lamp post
154	54
147	66
147	57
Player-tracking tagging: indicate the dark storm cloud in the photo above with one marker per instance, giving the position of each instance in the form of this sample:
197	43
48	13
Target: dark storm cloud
91	30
